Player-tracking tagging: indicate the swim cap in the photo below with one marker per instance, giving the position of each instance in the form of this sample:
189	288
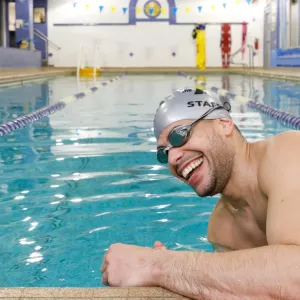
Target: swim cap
188	103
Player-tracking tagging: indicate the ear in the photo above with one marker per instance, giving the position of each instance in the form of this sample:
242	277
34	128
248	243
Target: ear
226	126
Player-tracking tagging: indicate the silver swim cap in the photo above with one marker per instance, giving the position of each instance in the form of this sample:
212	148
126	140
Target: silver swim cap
188	103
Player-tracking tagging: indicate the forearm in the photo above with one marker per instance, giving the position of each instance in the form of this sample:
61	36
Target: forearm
271	272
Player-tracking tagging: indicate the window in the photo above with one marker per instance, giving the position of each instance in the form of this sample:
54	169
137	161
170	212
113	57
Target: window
12	16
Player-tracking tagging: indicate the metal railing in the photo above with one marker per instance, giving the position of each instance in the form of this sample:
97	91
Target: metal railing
251	57
47	42
82	63
44	38
79	62
96	58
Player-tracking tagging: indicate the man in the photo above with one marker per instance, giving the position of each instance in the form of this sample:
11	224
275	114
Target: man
257	216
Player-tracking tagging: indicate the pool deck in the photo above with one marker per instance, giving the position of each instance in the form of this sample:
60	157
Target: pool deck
88	294
20	76
278	73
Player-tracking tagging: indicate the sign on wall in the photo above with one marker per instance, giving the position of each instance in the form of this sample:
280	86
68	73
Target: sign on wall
152	9
39	15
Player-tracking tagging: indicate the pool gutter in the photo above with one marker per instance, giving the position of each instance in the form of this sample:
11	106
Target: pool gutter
22	76
275	73
141	293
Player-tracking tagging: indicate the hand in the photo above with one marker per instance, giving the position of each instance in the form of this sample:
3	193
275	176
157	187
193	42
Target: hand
127	265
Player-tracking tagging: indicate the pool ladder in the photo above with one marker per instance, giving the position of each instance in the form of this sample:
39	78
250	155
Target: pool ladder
83	69
251	57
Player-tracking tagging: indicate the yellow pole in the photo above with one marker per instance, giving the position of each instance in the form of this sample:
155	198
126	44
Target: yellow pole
201	48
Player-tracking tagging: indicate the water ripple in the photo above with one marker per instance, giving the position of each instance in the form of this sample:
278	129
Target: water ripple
87	176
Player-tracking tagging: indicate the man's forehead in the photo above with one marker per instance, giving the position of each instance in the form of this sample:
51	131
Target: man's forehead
163	138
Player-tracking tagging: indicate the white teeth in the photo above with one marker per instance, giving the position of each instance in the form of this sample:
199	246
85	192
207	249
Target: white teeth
191	167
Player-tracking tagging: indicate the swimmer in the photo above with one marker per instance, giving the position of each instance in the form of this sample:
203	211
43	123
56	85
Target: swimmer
255	225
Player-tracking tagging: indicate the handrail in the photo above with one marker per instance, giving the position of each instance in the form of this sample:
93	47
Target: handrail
234	54
45	39
79	60
97	48
83	63
251	56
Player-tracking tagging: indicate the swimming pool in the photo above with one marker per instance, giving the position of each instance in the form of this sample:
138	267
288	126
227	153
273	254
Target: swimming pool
87	176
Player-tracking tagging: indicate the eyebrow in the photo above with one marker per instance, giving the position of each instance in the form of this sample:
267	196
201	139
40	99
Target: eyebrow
164	145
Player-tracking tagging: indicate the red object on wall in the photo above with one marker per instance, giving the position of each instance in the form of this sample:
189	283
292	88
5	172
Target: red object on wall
244	38
225	44
256	45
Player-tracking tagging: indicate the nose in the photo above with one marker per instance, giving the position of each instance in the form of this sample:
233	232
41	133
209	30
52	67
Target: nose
174	155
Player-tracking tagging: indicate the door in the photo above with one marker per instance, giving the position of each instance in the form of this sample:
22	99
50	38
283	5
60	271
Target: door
267	38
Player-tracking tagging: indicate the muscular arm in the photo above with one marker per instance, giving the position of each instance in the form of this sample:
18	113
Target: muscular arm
268	272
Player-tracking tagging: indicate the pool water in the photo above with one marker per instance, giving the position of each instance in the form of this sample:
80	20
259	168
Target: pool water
74	183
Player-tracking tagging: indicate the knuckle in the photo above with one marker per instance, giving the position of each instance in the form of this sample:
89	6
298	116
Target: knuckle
114	246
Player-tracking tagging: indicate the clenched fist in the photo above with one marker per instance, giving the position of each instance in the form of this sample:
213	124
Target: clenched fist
128	266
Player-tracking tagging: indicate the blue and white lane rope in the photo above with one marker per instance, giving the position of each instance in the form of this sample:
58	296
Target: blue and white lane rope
283	117
216	90
21	122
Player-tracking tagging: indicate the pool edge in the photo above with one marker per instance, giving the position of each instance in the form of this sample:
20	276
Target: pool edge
12	77
275	73
137	293
7	80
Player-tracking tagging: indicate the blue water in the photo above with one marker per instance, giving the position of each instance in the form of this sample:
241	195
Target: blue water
74	183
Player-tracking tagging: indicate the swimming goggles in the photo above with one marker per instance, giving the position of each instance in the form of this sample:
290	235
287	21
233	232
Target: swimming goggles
179	135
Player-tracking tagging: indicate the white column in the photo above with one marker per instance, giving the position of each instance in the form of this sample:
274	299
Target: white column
283	23
298	8
31	24
3	22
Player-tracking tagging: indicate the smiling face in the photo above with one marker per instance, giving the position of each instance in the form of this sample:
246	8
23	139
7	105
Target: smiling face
205	161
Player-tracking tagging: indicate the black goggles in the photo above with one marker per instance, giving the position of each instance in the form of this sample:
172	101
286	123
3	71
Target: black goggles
179	135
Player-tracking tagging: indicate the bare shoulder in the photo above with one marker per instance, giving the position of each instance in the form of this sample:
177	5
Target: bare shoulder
288	136
282	150
279	180
220	225
283	141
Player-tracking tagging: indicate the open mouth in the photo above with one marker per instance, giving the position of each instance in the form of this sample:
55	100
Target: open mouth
191	168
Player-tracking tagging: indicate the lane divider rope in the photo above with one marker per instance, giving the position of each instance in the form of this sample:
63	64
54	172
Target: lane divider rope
281	116
23	121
